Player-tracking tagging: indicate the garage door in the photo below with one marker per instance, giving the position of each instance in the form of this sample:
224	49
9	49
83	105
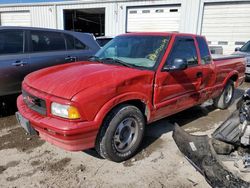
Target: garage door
157	18
15	19
227	25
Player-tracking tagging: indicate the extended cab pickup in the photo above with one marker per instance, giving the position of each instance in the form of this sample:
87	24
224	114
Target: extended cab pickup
136	79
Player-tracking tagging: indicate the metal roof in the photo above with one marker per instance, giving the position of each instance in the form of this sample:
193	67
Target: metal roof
28	1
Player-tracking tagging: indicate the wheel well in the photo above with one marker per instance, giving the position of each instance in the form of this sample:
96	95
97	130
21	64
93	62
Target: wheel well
234	77
139	104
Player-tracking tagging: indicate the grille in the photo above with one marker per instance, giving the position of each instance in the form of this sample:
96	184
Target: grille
34	103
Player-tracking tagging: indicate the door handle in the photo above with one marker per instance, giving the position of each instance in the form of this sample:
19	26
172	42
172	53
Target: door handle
70	58
199	74
19	63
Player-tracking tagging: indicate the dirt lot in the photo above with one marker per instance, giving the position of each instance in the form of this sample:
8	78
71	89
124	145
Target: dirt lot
27	161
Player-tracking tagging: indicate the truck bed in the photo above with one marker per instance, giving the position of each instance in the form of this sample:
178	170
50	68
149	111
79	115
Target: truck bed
218	57
229	63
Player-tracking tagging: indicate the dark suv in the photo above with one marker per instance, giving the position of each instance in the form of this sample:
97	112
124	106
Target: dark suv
24	50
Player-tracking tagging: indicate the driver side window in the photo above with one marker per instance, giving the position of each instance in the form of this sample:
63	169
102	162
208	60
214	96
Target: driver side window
183	48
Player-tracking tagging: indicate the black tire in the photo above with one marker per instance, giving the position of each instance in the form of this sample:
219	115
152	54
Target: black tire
116	127
225	99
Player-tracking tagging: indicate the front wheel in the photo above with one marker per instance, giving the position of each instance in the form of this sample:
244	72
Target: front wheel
225	99
121	133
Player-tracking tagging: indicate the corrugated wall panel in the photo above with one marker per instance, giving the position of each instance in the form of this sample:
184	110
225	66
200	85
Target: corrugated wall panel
190	16
40	16
226	24
115	13
43	16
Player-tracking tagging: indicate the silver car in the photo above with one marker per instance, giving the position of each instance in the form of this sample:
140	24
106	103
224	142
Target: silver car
24	50
245	51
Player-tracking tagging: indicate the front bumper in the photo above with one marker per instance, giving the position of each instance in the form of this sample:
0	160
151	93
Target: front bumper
68	135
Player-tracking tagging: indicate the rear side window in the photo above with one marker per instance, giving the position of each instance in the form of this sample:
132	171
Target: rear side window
43	41
184	48
204	51
11	42
74	44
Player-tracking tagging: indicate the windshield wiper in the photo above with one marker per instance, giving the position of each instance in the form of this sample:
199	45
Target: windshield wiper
117	61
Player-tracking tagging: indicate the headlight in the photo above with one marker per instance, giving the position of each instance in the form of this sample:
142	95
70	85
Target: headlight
64	111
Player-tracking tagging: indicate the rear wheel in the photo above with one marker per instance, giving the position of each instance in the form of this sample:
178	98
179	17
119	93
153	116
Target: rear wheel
121	133
225	99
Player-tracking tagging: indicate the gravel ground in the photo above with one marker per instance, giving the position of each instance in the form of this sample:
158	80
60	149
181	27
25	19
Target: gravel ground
27	161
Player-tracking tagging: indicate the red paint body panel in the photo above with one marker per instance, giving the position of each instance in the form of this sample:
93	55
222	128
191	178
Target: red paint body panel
95	88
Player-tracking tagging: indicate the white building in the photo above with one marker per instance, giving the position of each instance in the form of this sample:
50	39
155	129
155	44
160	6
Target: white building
224	23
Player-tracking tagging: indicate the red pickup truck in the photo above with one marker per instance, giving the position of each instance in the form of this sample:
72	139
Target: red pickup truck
136	79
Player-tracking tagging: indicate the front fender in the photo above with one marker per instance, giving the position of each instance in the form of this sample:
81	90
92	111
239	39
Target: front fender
108	106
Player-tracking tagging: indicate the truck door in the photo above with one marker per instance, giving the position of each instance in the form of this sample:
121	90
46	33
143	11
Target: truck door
208	69
178	89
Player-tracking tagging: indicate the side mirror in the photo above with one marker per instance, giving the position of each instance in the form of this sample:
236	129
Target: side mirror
237	49
178	64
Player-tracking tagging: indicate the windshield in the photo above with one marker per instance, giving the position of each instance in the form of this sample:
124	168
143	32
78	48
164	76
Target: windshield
245	47
137	51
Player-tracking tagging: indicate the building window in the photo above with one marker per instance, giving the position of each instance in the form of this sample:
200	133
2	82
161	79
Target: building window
222	43
239	43
173	10
159	11
146	11
133	12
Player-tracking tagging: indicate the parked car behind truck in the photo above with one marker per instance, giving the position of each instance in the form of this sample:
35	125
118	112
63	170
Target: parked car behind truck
24	50
245	51
134	80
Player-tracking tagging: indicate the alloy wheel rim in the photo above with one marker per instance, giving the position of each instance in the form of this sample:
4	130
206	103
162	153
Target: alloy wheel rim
228	94
126	134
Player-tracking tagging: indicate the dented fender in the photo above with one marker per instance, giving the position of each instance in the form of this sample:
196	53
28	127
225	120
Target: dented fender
123	98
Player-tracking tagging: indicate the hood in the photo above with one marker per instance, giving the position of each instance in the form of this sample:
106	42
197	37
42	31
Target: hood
67	80
242	53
